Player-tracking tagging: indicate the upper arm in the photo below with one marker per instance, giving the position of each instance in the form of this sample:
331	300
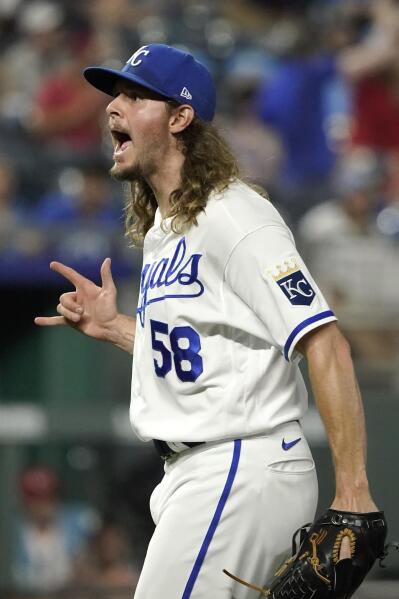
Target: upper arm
267	273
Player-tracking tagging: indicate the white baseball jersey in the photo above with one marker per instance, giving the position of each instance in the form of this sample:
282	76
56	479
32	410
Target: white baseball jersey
221	308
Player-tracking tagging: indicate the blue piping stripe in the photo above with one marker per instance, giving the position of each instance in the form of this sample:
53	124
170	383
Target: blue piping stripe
302	326
215	521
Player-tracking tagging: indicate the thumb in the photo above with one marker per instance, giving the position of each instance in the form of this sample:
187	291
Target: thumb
344	570
345	549
106	275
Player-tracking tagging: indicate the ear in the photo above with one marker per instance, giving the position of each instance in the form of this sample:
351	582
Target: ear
180	118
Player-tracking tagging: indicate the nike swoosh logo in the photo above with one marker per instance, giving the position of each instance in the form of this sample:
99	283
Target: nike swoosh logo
287	446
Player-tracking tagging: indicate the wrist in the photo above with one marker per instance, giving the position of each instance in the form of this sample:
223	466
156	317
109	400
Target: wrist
358	480
354	496
120	332
354	503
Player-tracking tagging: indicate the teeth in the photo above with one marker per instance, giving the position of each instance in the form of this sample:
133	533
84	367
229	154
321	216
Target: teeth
125	144
121	147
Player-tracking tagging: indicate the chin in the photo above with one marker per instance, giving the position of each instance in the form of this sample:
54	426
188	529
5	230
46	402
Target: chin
123	173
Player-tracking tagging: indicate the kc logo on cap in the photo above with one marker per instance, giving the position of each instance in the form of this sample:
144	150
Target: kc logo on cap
134	59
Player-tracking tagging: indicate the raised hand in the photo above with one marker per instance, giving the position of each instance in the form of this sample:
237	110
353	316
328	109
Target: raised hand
90	309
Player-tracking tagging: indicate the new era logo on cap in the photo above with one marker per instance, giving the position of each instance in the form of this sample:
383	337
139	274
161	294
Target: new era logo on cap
186	94
169	71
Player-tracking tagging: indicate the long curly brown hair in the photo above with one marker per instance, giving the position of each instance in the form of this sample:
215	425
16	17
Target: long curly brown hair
209	165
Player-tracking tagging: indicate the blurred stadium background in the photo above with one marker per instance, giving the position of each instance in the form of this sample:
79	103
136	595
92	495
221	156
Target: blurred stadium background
309	100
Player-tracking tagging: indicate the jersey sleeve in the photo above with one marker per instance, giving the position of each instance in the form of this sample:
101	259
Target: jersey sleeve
265	270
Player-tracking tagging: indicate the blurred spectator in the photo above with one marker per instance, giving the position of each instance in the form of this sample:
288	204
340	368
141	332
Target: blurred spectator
355	264
67	113
40	50
373	67
108	562
49	535
358	187
115	26
258	150
10	211
8	11
83	221
291	102
250	16
17	236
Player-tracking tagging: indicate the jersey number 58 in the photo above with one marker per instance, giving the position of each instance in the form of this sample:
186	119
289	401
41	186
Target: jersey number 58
185	344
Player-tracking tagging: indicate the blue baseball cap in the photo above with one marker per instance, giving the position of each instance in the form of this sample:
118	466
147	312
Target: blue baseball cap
174	74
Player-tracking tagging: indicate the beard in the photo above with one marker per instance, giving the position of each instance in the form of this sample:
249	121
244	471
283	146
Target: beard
133	173
143	168
136	172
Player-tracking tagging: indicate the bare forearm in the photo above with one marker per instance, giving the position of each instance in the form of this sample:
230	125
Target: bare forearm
339	402
121	332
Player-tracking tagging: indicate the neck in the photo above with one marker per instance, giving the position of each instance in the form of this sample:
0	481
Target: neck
166	179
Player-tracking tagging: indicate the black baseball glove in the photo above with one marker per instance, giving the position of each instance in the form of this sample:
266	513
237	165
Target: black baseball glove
315	570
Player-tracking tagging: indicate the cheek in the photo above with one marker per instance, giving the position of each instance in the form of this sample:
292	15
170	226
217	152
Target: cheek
151	129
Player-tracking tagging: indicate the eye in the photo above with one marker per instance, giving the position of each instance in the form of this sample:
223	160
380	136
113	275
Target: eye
131	94
134	96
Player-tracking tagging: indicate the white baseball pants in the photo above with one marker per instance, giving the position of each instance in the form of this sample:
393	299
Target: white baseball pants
233	505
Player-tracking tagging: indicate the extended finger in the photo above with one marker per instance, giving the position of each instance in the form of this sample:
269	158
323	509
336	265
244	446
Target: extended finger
70	315
107	280
69	273
50	321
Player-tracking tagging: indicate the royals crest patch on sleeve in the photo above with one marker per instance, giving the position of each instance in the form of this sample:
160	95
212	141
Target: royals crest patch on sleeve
293	283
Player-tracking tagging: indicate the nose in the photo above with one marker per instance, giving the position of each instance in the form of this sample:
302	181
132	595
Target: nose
113	108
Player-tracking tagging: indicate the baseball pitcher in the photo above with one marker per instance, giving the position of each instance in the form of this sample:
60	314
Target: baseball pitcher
226	311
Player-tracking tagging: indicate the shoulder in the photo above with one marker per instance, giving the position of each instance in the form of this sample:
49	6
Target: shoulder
232	216
240	209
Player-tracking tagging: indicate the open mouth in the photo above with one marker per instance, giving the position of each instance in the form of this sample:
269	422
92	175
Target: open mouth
121	140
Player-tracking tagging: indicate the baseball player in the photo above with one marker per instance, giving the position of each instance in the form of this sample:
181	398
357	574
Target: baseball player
226	310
